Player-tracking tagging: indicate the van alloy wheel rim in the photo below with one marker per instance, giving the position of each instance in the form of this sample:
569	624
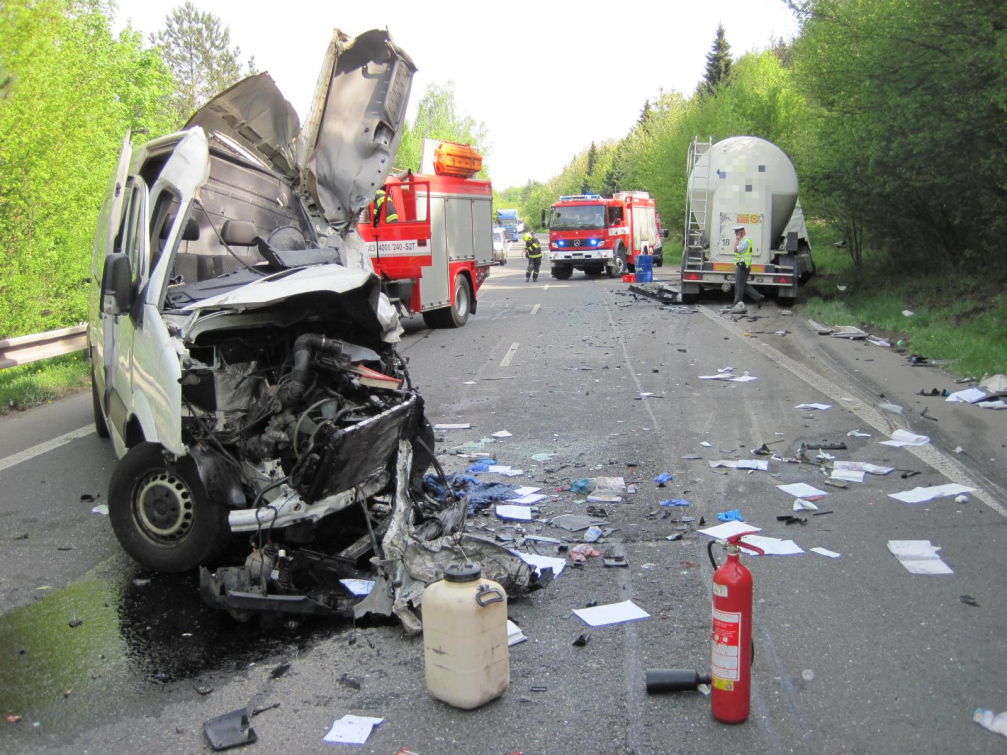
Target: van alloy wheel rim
462	300
163	507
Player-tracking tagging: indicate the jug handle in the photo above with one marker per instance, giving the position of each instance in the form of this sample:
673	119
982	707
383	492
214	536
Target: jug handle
493	594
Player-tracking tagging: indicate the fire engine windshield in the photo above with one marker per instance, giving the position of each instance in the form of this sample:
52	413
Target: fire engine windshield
577	217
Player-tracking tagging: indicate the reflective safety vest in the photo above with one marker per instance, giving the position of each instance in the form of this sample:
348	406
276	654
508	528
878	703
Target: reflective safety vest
532	249
379	202
743	250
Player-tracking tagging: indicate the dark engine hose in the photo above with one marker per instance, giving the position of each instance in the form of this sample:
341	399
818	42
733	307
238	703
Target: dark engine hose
303	348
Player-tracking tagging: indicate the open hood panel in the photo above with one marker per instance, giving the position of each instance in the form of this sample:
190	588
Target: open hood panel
255	116
354	131
333	280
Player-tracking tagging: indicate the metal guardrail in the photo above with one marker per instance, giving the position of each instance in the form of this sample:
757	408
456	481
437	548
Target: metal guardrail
54	343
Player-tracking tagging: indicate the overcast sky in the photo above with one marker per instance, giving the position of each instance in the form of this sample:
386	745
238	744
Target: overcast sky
547	78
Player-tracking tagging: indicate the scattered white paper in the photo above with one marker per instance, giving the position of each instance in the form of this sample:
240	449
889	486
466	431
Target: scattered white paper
746	378
822	456
706	444
857	434
505	470
760	464
908	312
919	495
998	404
801	490
918	556
604	498
101	508
893	408
902	438
729	529
613	613
801	505
528	500
469	382
825	552
723	370
358	586
352	730
848	475
727	377
819	407
526	490
862	466
539	563
772	546
457	426
518	513
502	434
514	633
968	396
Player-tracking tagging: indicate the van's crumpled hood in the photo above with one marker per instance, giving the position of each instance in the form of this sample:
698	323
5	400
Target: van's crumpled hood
352	133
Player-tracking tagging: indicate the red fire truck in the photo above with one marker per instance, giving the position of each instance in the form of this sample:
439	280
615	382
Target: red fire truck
596	234
431	241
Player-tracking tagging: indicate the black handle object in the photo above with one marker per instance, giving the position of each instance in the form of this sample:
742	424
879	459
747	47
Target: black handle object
488	595
674	680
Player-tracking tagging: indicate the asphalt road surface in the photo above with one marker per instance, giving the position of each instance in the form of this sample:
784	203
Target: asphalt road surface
854	654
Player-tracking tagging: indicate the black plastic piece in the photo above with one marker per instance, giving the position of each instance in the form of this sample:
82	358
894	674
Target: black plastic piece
674	680
229	730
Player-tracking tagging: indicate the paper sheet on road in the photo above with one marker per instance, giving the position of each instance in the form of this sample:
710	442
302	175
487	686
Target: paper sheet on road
456	426
920	495
528	500
968	396
759	464
918	556
506	470
729	529
773	546
352	730
526	490
613	613
848	475
862	466
826	552
902	438
502	434
727	377
542	562
819	407
801	505
801	490
517	513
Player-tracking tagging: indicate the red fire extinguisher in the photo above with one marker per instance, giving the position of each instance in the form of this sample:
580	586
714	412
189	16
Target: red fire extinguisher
732	635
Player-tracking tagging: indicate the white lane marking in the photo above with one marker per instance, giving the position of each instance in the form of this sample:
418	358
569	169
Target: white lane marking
939	460
41	448
510	354
545	287
536	308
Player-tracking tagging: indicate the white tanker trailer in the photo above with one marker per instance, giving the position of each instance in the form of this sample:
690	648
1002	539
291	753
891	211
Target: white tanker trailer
748	181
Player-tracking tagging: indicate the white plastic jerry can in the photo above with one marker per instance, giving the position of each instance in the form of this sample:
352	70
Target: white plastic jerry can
465	637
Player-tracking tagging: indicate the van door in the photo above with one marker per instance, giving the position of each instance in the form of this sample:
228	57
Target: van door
109	223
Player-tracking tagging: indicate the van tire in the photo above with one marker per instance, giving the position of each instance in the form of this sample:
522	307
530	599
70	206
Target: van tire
161	513
100	426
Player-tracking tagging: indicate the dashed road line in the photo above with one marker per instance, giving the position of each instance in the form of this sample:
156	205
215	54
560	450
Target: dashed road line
510	354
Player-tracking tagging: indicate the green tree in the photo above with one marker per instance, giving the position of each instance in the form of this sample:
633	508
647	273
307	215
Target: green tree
75	90
438	117
908	135
718	63
197	47
592	161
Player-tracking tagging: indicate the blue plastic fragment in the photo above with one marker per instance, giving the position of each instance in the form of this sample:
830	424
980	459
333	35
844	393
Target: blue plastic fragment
675	502
582	486
477	468
663	478
479	494
730	516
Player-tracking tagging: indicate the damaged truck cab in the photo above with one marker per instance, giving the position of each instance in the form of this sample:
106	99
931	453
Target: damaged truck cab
242	352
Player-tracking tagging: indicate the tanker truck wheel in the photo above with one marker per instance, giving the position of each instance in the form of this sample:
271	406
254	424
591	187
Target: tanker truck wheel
562	273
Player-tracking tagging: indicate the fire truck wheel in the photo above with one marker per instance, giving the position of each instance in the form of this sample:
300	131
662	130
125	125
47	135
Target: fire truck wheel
618	264
458	313
562	273
659	260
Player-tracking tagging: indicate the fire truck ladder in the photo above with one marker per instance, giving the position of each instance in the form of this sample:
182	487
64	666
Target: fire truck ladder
699	196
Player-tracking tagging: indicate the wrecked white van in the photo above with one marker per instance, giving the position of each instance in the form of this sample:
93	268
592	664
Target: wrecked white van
242	351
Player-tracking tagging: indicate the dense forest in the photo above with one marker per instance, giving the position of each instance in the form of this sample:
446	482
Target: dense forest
893	111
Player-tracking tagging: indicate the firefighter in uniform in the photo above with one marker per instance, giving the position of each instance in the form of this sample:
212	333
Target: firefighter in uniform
533	251
742	266
379	201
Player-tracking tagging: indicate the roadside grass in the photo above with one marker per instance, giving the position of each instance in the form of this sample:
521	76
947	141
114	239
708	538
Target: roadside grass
29	385
958	318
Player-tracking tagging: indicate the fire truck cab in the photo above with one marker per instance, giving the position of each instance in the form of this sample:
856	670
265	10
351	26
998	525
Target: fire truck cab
431	239
596	234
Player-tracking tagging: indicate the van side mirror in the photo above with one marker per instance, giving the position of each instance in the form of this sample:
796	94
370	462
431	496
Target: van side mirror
239	233
116	285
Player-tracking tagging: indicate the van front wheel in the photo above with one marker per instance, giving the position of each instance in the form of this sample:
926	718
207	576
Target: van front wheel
161	513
